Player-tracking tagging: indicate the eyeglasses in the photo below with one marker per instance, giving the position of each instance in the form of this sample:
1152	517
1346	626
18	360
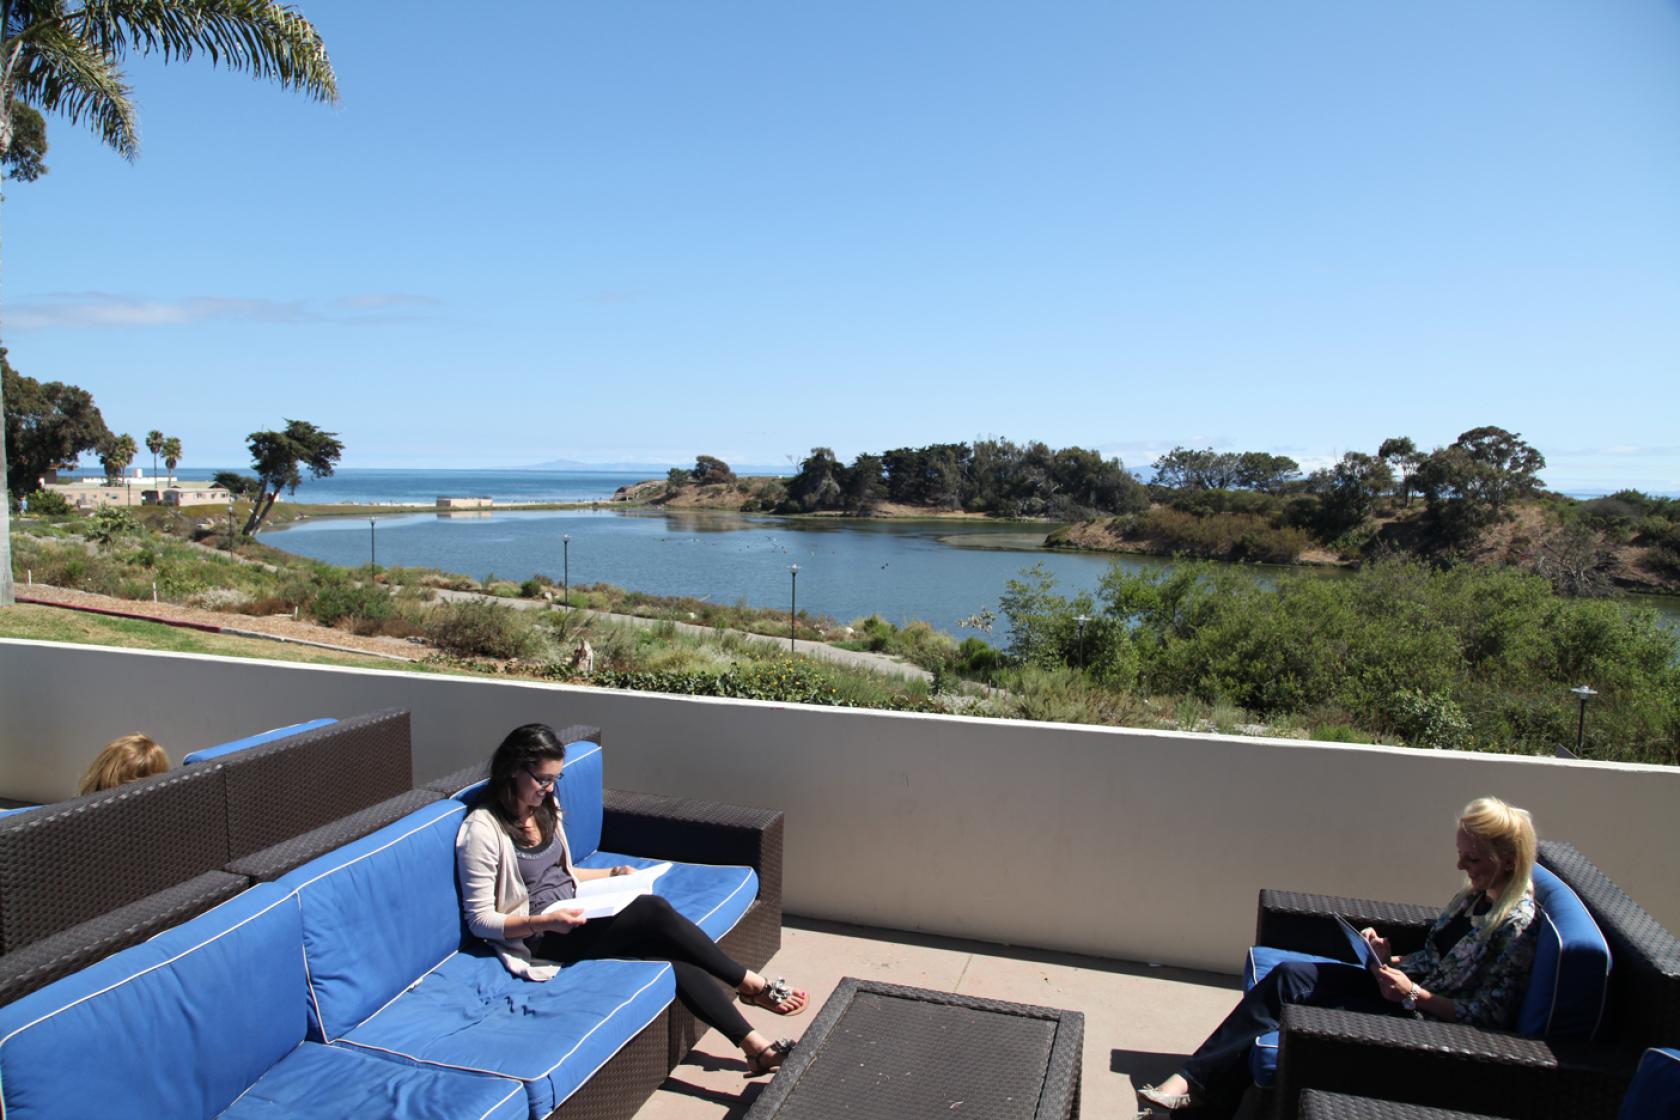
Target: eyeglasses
542	782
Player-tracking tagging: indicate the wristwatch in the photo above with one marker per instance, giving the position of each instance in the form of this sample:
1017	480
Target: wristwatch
1414	997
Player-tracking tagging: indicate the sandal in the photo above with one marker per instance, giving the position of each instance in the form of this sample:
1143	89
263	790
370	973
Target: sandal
773	997
760	1062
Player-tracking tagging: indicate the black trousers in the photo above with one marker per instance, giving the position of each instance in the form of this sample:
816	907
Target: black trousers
1218	1070
648	929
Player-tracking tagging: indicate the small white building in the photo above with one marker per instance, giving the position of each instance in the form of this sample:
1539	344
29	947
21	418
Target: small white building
483	502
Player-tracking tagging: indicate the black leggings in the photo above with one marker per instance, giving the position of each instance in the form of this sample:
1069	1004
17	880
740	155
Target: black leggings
648	929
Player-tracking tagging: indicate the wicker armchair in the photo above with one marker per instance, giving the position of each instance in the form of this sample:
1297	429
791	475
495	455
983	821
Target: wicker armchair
1451	1066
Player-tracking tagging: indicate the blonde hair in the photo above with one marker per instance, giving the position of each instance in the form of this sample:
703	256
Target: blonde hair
1508	833
126	758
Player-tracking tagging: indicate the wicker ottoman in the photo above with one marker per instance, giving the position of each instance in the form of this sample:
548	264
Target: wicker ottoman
885	1052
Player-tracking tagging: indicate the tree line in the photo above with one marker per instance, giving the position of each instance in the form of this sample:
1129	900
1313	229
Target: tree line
50	425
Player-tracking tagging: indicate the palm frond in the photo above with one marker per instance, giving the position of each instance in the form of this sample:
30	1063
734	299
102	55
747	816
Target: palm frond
62	73
264	38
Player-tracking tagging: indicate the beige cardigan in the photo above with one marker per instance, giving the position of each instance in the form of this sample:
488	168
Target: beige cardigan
492	891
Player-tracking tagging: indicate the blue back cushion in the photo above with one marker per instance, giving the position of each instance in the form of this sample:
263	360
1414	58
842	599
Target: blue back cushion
1656	1087
1571	978
580	797
220	750
377	915
177	1026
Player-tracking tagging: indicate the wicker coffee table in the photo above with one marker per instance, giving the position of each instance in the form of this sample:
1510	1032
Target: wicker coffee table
895	1053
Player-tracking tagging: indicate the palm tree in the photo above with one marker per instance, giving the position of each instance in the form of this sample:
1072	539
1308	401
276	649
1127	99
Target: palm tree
115	455
171	456
64	56
154	444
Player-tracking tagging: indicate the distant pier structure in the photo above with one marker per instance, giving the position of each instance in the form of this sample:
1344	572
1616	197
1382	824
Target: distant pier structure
483	502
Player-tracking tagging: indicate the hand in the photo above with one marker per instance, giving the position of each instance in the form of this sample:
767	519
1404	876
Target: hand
1394	984
564	918
623	869
1379	945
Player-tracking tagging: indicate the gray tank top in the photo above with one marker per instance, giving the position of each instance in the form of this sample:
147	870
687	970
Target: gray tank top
544	873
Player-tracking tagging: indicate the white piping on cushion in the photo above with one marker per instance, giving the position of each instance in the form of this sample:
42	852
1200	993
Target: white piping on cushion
585	1080
451	810
1557	974
406	988
727	897
518	1089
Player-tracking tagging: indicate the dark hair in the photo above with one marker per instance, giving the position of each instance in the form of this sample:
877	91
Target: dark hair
524	747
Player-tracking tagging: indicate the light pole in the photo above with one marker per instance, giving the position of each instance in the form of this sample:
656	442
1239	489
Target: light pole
566	568
230	526
373	551
1583	694
1082	620
793	603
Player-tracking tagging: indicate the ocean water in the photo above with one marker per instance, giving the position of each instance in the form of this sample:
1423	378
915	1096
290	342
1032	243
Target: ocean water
385	487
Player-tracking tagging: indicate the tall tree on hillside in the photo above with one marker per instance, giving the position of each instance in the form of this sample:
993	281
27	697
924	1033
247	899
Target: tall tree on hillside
171	456
48	424
115	454
154	444
65	56
280	458
1400	451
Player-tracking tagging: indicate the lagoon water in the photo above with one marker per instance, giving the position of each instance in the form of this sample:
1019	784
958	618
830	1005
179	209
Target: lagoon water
939	571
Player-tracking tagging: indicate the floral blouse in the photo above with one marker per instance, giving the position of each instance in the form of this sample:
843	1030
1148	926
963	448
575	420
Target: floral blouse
1486	973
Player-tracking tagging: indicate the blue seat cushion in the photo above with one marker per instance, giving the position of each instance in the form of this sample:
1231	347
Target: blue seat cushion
332	1082
177	1026
1656	1087
1262	1057
1570	982
712	896
378	913
249	741
469	1013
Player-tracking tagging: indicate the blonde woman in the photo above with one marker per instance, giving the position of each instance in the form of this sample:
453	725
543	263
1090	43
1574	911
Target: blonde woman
1473	967
126	758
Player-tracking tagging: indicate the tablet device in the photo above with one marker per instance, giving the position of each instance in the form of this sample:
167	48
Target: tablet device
1361	948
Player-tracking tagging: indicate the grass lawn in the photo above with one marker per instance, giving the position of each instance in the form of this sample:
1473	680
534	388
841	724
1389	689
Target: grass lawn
51	624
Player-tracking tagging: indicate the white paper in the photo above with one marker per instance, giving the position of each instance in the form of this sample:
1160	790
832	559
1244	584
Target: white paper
602	898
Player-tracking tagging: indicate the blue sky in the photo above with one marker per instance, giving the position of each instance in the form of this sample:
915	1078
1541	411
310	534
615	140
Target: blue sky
653	228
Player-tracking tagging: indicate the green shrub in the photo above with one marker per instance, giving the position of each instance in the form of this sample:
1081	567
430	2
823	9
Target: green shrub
362	606
48	503
107	523
480	629
1429	720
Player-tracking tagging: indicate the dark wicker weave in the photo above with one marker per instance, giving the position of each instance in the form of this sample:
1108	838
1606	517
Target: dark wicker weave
273	862
65	864
1339	1106
619	1088
287	787
1645	977
1306	922
886	1052
451	784
74	949
1446	1065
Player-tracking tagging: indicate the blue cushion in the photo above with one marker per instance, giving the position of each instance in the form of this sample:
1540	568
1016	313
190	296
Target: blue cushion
331	1082
470	1013
1263	1055
378	913
249	741
579	791
19	809
1655	1091
1570	982
712	896
177	1026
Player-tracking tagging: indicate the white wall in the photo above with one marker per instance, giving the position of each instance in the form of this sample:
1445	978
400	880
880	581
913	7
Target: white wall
1141	845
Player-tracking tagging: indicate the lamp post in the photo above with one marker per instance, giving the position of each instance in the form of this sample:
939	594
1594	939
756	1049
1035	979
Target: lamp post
230	526
1082	620
793	603
373	550
1583	694
566	567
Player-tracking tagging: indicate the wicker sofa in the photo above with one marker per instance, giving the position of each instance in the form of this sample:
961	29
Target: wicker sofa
347	986
83	878
1451	1066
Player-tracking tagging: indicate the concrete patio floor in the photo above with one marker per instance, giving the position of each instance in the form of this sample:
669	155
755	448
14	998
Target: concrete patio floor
1139	1020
